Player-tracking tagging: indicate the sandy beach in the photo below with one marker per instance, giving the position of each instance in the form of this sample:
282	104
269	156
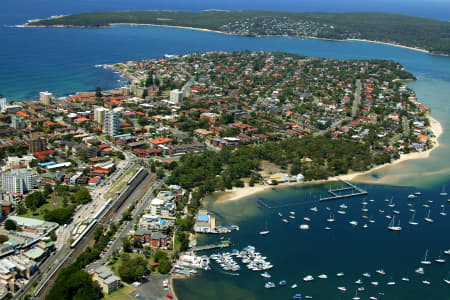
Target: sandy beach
240	193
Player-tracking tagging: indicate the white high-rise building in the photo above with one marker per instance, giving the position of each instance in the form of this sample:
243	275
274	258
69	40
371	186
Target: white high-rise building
45	98
2	104
17	181
17	122
99	114
176	96
111	123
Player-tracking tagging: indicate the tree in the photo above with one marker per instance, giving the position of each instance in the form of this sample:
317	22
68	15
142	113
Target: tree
98	92
82	196
126	245
133	269
3	238
47	190
34	200
10	225
59	215
21	209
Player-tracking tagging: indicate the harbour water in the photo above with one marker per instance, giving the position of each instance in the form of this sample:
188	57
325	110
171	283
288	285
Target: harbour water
62	60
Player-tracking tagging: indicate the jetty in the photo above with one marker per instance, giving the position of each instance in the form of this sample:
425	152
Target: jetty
221	245
350	190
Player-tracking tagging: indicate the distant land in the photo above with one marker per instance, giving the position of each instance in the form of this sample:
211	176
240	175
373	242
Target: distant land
419	33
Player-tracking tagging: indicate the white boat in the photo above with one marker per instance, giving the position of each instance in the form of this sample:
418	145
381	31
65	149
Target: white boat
392	226
417	193
285	221
388	217
411	196
443	213
443	193
373	298
364	217
381	272
307	219
265	231
343	206
427	218
340	274
371	220
331	218
411	221
412	210
356	296
304	227
353	223
322	276
406	279
371	200
381	211
447	280
396	212
367	274
294	286
308	278
391	203
447	252
341	212
374	283
440	260
426	282
314	209
426	206
269	285
342	288
419	271
359	281
327	228
425	260
292	212
280	214
391	283
361	289
266	275
292	216
365	226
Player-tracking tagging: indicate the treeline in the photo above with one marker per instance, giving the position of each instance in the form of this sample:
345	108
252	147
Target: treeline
314	157
425	33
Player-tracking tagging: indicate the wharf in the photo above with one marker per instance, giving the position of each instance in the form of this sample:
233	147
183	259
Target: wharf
354	191
223	244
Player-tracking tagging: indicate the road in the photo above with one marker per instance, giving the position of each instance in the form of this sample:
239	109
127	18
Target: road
357	98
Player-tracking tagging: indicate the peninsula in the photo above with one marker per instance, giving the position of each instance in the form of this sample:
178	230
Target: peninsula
401	30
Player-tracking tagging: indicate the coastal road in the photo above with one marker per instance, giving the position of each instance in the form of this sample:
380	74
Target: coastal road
357	98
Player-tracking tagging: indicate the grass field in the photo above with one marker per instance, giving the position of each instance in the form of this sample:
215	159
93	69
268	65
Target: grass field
121	294
121	182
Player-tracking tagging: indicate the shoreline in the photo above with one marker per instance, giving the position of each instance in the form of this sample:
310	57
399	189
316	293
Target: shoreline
221	32
240	193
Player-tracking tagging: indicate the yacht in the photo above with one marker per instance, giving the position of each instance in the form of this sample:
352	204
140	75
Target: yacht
411	221
308	278
447	280
331	218
322	276
269	285
266	275
420	271
425	260
342	288
427	218
353	223
392	226
443	193
381	272
443	213
294	286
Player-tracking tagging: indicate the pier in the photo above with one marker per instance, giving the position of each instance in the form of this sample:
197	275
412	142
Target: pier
221	245
353	189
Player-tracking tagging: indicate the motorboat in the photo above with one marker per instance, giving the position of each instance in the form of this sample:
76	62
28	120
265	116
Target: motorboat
282	283
419	271
359	281
411	196
322	276
341	212
327	228
367	274
391	283
353	223
294	286
342	288
304	227
356	296
426	282
266	275
343	206
381	272
406	279
340	274
307	219
297	296
285	221
269	285
308	278
314	209
374	283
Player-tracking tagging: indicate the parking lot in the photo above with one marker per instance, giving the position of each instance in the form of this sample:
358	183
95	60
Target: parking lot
152	289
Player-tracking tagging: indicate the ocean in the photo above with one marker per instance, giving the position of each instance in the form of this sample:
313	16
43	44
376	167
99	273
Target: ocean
62	61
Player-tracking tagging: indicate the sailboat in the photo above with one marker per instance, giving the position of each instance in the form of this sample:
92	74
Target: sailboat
265	231
331	218
447	280
440	260
356	296
443	193
392	226
425	260
443	213
411	221
391	204
428	219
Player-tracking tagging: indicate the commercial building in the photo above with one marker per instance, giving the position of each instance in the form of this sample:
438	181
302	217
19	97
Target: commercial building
17	122
99	114
37	145
17	181
45	98
111	123
176	96
3	103
205	222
